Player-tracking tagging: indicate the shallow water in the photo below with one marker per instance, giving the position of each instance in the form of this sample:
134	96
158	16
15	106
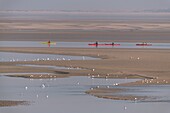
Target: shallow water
66	95
12	56
157	93
25	73
80	44
57	95
99	16
52	67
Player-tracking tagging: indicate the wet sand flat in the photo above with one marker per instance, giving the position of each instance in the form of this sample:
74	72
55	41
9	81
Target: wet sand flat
125	31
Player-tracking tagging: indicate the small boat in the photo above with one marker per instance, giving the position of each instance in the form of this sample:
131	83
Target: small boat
144	44
53	43
104	44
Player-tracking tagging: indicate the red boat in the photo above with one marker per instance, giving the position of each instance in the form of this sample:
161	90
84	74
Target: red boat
144	44
104	44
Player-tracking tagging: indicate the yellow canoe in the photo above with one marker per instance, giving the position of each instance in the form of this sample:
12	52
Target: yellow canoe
48	43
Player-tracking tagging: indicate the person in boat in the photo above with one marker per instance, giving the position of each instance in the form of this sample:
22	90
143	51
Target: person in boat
144	43
96	43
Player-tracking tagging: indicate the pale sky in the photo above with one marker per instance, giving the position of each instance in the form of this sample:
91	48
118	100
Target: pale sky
107	5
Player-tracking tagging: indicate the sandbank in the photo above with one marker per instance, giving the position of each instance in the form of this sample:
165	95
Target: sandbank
123	31
151	63
5	103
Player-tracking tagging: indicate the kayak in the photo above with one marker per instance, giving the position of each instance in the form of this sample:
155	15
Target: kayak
48	43
143	44
104	44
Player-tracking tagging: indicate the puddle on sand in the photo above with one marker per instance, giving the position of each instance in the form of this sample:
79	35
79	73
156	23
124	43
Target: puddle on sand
66	95
52	67
1	74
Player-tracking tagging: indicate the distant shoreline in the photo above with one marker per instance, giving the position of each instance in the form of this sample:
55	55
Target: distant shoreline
161	11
